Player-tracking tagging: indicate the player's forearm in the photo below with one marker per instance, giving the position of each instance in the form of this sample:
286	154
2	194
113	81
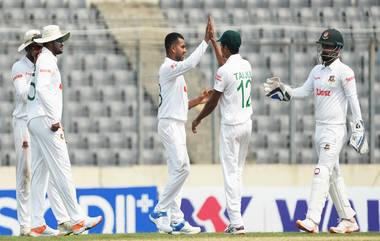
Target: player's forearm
196	56
355	107
207	109
218	53
300	92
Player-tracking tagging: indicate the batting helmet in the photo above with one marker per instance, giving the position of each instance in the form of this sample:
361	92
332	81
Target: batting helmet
331	37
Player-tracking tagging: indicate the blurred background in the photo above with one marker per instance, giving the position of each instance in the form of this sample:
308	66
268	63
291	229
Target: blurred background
110	72
110	68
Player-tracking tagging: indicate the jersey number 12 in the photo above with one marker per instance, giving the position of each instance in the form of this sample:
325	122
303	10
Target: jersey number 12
244	102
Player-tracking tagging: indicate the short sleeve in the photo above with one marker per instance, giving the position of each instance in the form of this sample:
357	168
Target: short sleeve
220	80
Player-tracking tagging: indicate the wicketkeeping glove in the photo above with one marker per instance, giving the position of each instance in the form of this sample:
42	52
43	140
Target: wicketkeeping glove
358	140
276	90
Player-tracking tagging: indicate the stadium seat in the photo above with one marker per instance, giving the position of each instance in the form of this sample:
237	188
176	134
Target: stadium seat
7	141
12	4
251	4
234	4
197	4
72	4
214	4
170	3
126	157
279	3
32	4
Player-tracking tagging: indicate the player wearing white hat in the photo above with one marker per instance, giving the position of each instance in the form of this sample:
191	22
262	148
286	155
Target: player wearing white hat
333	85
49	151
232	86
172	116
22	73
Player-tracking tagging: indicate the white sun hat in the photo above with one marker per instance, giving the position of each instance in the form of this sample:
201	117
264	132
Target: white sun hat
51	33
29	36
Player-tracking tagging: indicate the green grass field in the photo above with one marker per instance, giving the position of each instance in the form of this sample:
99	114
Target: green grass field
214	236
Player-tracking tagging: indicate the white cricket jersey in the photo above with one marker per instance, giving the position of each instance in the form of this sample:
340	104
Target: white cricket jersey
45	92
173	90
22	73
234	79
333	87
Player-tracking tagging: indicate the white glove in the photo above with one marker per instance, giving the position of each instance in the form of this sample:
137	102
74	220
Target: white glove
358	140
276	90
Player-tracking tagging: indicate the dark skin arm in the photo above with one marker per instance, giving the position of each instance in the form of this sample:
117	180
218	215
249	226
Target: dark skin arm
207	109
217	50
55	127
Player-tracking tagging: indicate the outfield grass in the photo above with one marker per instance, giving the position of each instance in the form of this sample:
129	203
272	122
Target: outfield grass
213	236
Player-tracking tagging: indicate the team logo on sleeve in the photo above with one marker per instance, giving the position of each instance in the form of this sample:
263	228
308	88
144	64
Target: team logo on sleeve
218	77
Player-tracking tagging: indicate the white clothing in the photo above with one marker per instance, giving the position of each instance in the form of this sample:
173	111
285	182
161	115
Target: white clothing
234	79
50	159
173	90
173	136
333	86
45	92
234	143
22	72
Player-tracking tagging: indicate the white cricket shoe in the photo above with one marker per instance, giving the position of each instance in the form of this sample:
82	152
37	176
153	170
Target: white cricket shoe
24	231
43	230
234	230
345	226
307	225
161	220
184	228
86	224
65	229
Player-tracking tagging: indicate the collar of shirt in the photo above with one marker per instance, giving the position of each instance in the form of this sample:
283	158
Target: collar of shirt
169	59
233	57
334	64
49	53
29	63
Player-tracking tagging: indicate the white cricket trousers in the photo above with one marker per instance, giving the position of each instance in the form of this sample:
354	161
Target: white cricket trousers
23	176
233	149
50	158
327	179
173	136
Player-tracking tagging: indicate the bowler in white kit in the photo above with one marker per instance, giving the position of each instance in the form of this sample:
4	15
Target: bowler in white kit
172	116
334	88
232	86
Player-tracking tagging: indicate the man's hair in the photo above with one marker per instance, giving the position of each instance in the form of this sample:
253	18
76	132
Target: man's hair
171	39
232	49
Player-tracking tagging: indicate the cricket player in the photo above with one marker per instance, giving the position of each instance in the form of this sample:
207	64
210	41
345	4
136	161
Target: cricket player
22	73
333	85
232	87
50	157
172	116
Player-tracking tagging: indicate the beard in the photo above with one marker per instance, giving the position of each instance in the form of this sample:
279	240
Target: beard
327	59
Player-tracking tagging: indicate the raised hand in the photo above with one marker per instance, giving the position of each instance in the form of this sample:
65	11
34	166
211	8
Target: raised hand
207	31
